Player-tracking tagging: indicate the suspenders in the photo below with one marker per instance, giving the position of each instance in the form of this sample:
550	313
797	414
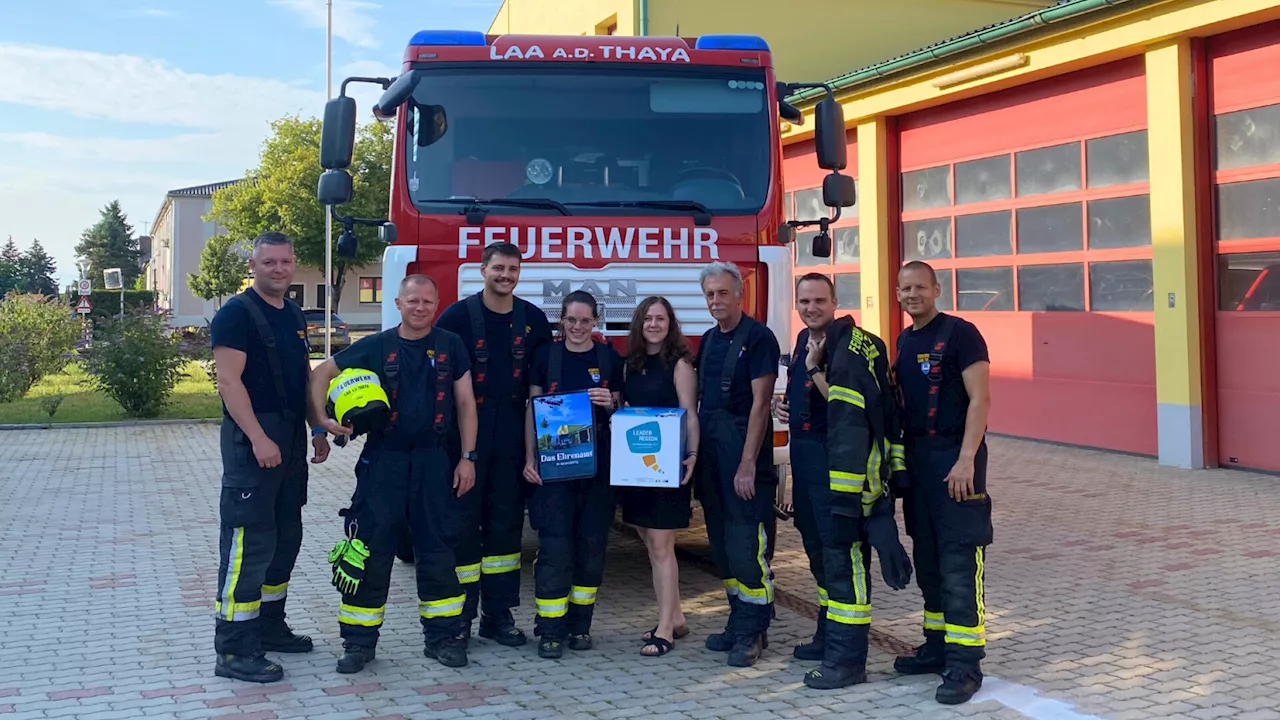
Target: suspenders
391	376
475	311
268	338
556	361
737	345
802	411
935	370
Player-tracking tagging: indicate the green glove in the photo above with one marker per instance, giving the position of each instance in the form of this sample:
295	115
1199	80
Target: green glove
347	559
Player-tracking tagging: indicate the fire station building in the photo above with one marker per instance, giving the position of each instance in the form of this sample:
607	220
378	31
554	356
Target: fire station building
1097	183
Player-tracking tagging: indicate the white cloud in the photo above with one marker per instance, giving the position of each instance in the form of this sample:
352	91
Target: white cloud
153	13
352	20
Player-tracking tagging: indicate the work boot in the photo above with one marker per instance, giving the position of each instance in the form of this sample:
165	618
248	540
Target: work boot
580	641
746	651
815	649
280	638
354	658
930	659
249	668
464	635
958	685
832	677
721	642
501	628
448	651
550	648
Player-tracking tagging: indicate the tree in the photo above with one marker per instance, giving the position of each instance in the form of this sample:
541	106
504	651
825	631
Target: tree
110	244
10	270
222	270
37	337
10	252
280	194
37	268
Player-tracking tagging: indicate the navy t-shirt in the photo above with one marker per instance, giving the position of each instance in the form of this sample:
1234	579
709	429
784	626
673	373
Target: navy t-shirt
758	358
578	370
499	381
415	400
797	380
233	327
965	347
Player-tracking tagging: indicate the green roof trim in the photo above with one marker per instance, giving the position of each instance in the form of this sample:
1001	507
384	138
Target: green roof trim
1063	10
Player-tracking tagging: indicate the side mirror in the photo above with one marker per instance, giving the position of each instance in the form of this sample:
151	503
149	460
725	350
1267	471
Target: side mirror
829	135
839	191
338	134
786	110
334	188
387	233
786	234
348	244
822	245
398	92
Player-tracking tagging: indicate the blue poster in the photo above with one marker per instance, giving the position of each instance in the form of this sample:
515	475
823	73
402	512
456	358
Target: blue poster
565	432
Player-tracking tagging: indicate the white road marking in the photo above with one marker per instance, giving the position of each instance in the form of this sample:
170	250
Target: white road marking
1027	701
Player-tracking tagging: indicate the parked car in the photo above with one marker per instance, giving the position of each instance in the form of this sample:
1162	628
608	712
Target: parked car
340	339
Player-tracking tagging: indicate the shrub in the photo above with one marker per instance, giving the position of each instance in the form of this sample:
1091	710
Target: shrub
195	345
37	338
135	361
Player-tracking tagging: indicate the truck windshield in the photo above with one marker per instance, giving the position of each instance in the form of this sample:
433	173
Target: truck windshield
607	136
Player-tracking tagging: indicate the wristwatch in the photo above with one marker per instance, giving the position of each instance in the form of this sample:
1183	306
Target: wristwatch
469	455
813	371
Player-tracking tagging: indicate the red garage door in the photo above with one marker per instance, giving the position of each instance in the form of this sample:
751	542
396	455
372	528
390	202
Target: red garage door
803	201
1245	101
1032	204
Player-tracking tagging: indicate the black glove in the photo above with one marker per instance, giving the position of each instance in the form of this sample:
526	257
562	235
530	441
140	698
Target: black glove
882	533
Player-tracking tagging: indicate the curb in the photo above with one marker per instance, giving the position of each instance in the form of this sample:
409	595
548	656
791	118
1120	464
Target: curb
110	424
789	600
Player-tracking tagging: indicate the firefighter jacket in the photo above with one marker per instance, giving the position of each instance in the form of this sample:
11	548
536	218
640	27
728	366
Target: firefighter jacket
864	436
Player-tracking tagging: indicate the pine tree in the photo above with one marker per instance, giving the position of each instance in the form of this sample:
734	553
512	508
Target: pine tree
37	269
10	252
110	244
10	269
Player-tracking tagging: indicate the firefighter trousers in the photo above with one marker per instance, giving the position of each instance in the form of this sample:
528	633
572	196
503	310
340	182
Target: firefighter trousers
572	519
395	486
949	548
736	528
489	553
810	488
261	532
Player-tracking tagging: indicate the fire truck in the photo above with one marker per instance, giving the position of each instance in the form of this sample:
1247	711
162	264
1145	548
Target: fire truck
618	165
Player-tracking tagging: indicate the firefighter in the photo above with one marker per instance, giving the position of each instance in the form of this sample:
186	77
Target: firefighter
856	514
501	332
736	480
943	370
260	349
807	393
405	473
572	517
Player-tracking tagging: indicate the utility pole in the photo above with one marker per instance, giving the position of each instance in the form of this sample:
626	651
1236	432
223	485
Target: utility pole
328	217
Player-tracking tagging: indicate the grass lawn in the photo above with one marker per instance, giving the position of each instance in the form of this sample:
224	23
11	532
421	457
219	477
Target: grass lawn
194	397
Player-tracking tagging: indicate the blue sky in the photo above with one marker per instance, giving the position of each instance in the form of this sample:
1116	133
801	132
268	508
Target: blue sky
126	100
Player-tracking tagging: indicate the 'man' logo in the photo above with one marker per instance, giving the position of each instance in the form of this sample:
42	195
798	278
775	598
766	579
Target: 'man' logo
615	290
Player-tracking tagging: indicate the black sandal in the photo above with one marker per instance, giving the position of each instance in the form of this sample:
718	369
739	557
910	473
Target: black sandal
678	633
663	645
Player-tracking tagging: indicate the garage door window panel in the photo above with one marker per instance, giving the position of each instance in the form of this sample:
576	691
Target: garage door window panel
1049	288
1048	170
1121	286
984	289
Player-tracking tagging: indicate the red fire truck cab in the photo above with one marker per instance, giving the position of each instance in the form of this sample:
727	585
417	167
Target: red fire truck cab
618	165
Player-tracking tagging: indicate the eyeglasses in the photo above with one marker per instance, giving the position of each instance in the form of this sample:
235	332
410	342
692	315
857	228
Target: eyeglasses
578	321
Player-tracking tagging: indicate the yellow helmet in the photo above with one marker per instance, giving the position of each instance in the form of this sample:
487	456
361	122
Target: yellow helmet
357	400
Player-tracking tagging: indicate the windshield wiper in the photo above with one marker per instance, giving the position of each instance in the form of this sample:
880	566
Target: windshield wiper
477	207
701	215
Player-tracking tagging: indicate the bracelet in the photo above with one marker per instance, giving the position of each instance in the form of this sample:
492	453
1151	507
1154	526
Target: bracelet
317	431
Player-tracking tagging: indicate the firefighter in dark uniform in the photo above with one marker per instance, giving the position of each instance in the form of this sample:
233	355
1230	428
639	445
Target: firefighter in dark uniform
807	396
260	348
405	473
736	480
943	370
856	515
501	332
572	516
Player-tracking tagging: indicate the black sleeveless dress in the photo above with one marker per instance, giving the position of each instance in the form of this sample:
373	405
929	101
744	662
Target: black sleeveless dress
656	508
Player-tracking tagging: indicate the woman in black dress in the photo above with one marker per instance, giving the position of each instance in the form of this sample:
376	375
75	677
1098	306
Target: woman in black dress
659	373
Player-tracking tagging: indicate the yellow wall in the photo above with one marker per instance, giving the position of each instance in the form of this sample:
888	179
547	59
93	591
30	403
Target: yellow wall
564	17
815	40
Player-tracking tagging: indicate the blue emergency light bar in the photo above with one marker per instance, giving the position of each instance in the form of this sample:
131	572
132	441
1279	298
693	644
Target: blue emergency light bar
449	37
732	42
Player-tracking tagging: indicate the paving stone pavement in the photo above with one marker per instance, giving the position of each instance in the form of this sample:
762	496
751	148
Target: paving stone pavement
1115	589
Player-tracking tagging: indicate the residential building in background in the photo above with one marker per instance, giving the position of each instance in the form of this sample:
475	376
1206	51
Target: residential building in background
1095	181
178	236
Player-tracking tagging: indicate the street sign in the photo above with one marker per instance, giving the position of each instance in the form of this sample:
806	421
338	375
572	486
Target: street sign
85	287
83	306
113	279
